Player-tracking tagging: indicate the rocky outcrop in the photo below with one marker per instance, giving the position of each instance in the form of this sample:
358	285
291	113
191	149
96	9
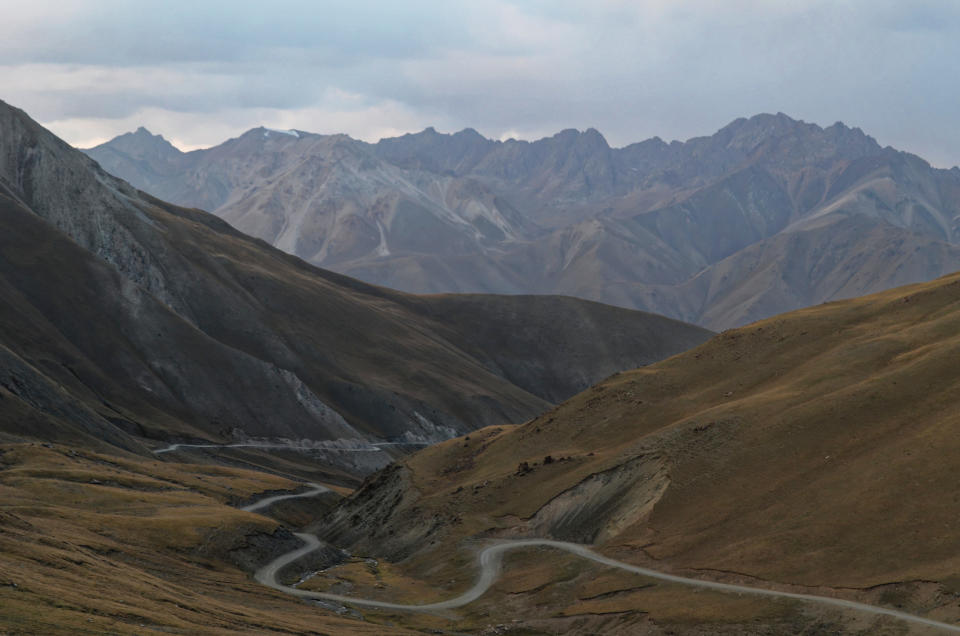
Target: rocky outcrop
603	504
381	517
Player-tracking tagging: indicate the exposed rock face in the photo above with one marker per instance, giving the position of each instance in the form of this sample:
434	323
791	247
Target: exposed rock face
123	317
693	230
603	504
382	498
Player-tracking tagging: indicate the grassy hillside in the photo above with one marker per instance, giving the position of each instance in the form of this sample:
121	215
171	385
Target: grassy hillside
814	450
96	544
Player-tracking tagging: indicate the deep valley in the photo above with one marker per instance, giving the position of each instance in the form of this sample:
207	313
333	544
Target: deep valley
203	431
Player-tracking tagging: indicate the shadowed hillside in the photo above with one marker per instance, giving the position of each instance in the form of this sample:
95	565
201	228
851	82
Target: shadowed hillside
126	317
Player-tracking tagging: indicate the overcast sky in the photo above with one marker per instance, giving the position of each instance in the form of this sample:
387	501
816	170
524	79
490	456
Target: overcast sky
202	71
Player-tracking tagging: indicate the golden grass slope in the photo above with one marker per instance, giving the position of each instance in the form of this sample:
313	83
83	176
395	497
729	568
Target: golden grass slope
816	450
98	544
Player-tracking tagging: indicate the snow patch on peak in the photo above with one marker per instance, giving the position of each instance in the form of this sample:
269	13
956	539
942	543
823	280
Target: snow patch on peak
382	249
292	133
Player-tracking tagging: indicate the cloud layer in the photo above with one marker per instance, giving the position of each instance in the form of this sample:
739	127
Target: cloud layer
201	71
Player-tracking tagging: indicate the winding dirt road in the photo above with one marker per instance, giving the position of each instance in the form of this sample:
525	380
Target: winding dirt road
489	560
266	502
372	448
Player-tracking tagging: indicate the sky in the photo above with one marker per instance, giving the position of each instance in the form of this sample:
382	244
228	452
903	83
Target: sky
202	71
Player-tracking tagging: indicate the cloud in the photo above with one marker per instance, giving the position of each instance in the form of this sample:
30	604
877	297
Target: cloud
148	32
632	69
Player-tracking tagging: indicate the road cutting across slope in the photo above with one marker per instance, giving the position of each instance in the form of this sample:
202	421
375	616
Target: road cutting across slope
266	502
369	448
489	560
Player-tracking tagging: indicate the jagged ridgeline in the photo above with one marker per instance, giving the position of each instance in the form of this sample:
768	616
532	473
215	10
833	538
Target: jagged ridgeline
125	319
767	215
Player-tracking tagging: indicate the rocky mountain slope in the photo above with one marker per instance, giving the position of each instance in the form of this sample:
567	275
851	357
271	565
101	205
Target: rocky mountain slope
768	214
813	451
126	318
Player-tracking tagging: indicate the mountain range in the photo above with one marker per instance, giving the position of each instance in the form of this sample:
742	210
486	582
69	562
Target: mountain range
128	321
809	453
769	214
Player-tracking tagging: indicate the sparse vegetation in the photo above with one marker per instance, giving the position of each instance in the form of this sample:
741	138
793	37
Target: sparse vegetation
94	544
816	450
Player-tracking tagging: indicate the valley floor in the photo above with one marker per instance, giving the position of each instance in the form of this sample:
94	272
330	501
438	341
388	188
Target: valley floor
93	543
99	544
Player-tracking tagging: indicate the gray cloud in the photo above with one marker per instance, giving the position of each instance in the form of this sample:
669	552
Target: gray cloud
676	69
123	33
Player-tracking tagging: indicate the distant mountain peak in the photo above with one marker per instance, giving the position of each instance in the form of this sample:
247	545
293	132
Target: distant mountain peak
594	136
747	135
469	132
772	122
144	135
140	144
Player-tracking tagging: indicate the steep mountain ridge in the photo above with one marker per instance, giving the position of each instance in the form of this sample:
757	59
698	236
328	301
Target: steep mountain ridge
132	318
431	212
